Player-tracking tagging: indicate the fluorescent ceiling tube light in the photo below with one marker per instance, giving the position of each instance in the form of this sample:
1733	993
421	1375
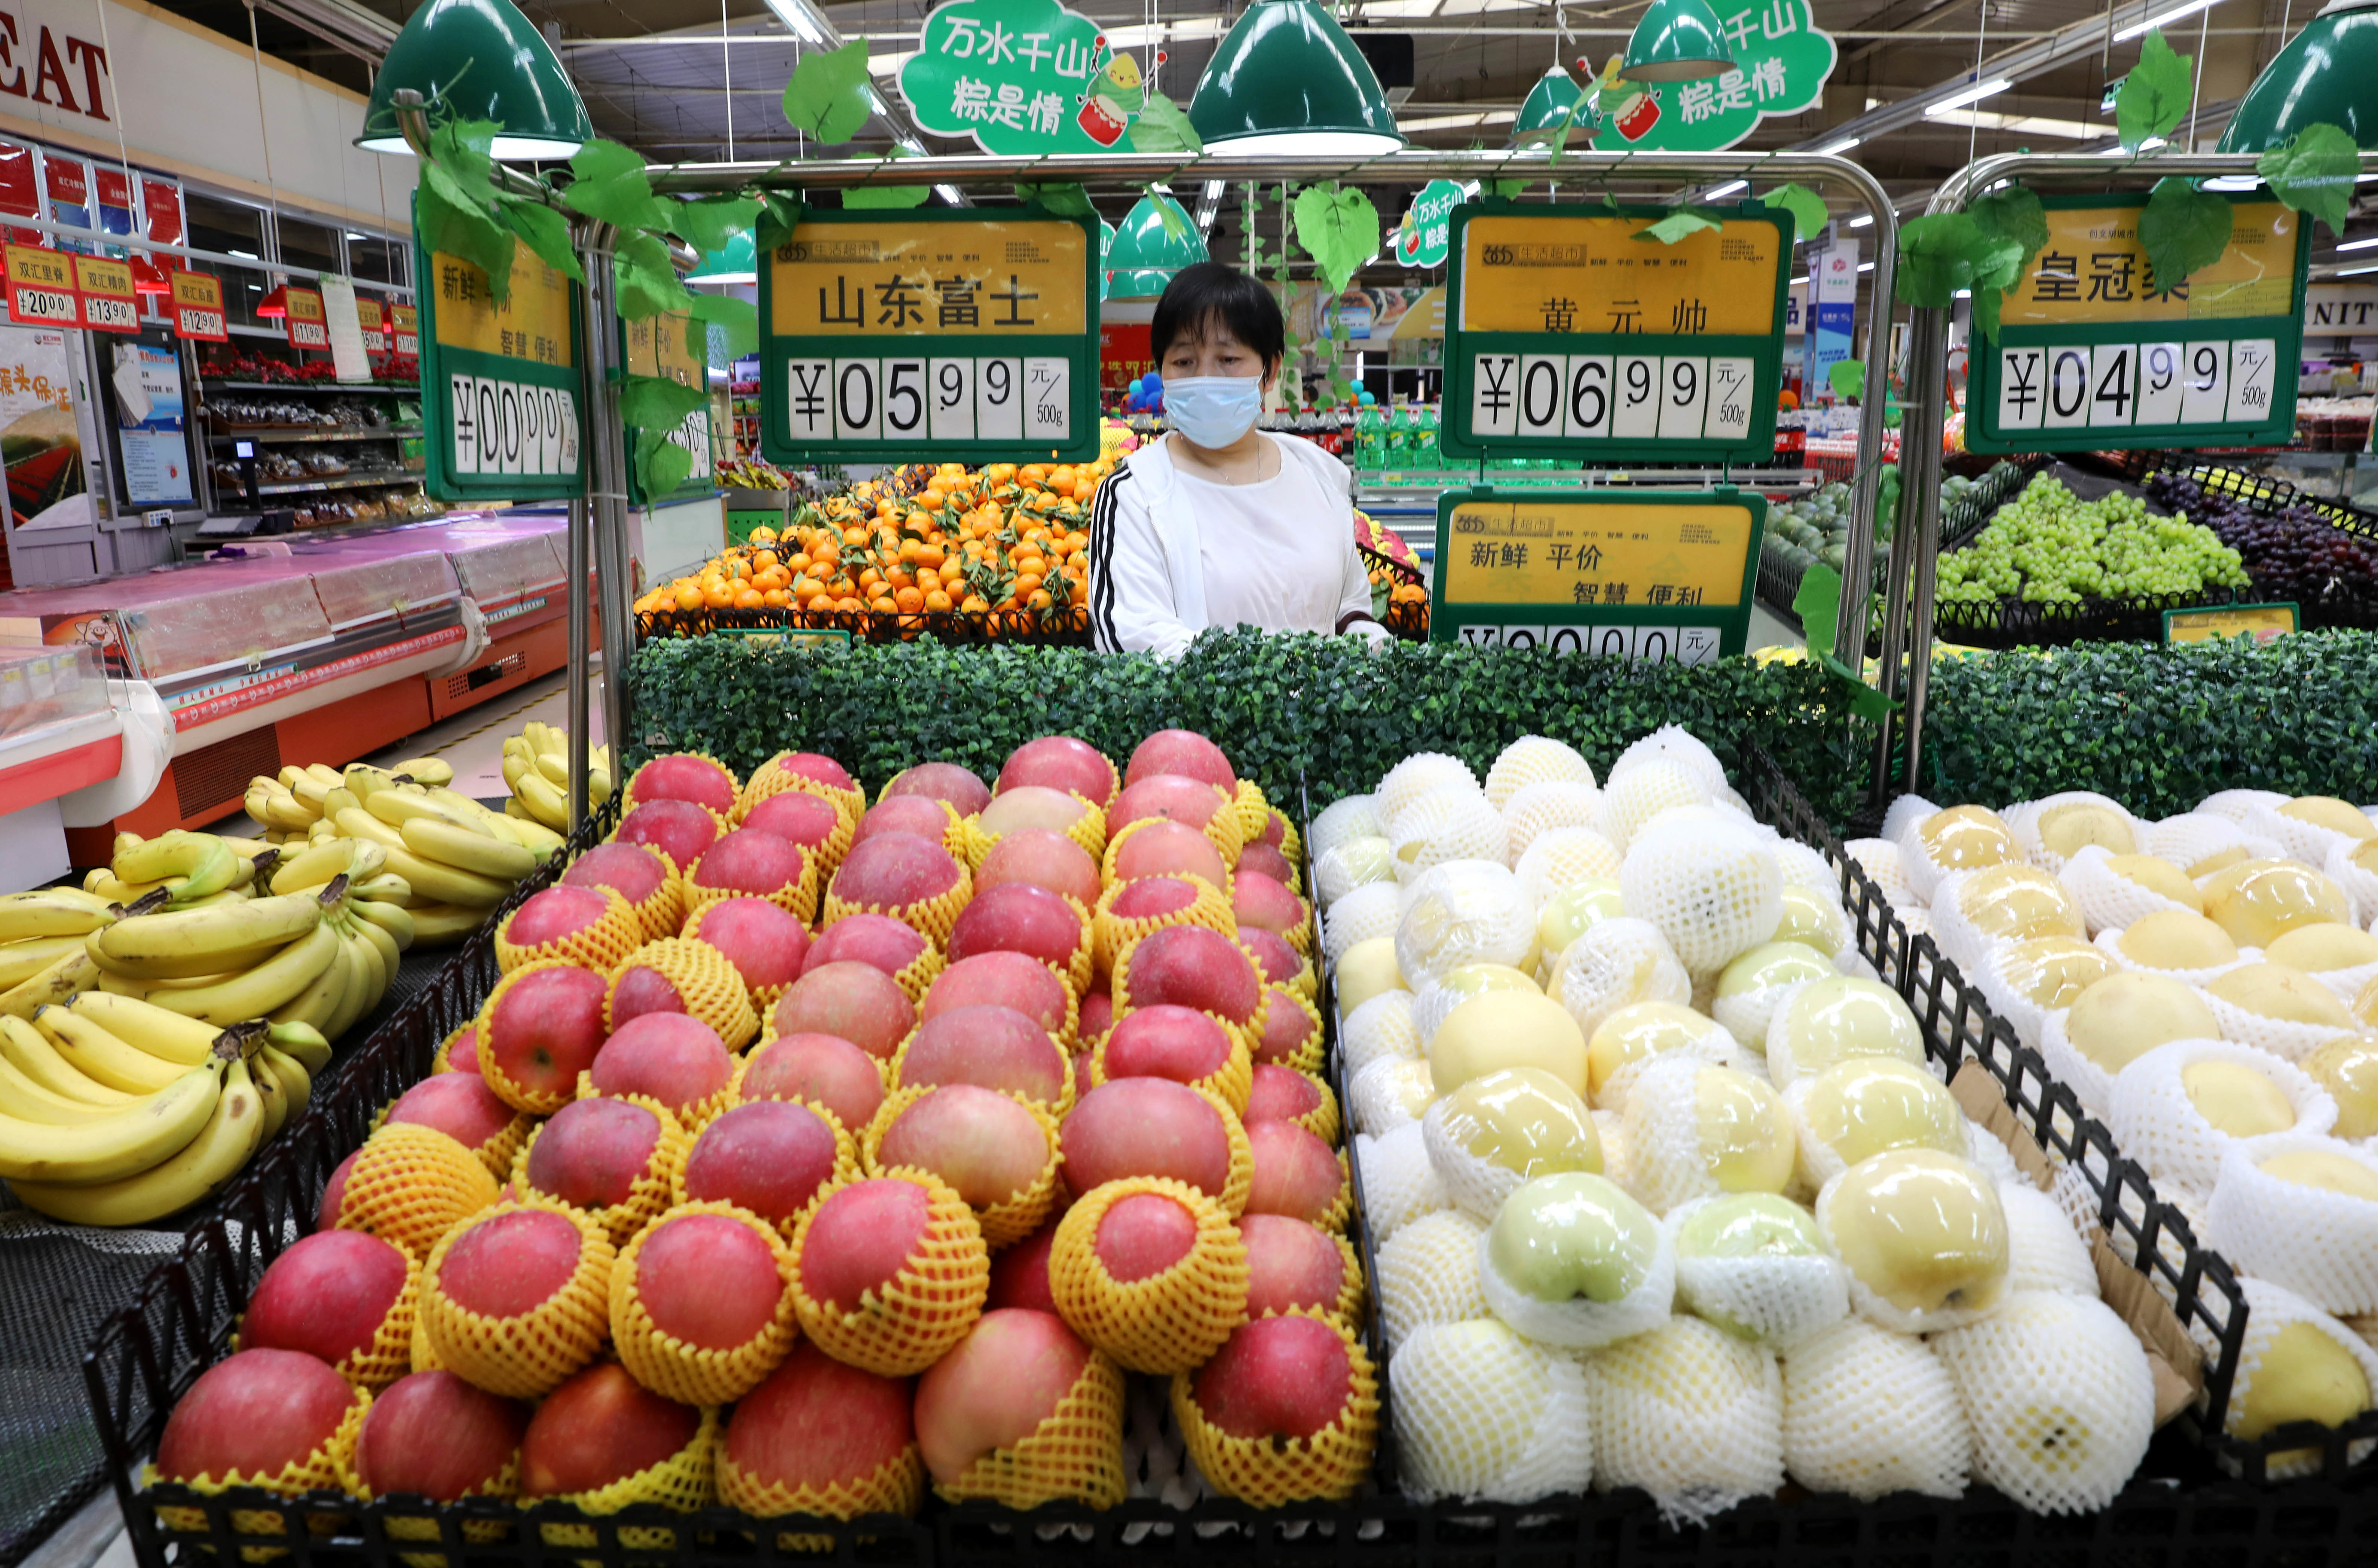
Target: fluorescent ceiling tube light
1213	190
2146	24
799	20
2356	271
2349	244
1863	220
2234	182
1726	190
950	194
1835	148
1964	96
1865	266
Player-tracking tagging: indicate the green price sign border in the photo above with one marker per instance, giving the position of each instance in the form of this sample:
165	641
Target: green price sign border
2295	613
1983	436
438	362
1081	354
1448	619
1461	348
694	487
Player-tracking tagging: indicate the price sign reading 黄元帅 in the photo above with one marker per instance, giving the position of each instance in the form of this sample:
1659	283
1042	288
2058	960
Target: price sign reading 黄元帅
1644	575
886	333
2092	355
1570	335
41	287
501	384
665	346
199	308
308	323
108	303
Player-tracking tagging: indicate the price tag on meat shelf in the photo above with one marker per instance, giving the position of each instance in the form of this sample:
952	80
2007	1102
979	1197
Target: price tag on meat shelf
502	387
2092	356
1643	575
887	335
41	287
2264	623
1575	334
308	323
199	308
108	303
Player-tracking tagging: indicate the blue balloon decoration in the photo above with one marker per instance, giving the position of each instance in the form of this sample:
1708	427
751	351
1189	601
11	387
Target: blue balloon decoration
1370	399
1153	381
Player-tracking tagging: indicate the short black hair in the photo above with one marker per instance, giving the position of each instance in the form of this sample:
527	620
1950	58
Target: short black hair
1210	292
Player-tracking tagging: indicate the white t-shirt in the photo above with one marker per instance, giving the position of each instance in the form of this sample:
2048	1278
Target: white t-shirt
1273	552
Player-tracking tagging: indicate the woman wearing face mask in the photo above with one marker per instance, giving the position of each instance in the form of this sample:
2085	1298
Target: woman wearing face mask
1221	523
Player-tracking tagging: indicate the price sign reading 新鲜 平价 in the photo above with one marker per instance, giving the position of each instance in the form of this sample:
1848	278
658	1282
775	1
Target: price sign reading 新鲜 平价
886	333
2091	355
1570	334
1642	575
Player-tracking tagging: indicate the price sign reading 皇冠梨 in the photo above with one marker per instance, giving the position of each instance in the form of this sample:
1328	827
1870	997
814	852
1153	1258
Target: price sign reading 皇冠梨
2091	355
665	346
886	334
501	384
1643	575
1569	334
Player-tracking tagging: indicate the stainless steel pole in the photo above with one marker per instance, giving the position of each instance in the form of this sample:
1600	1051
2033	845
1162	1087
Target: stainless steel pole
607	488
580	740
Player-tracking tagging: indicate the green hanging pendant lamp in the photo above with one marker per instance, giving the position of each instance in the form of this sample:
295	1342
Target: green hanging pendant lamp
479	60
1677	41
738	262
1548	102
1147	253
2326	72
1287	79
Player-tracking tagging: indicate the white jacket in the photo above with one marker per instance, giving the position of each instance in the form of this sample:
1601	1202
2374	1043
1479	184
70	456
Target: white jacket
1146	578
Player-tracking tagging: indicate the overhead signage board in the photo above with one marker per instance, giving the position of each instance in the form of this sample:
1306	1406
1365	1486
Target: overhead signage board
199	308
1425	236
1782	59
41	287
885	332
502	385
663	346
1651	576
1022	77
2092	356
1568	335
308	321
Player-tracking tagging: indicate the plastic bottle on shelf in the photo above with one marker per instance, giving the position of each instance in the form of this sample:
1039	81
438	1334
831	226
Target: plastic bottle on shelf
1431	457
1371	438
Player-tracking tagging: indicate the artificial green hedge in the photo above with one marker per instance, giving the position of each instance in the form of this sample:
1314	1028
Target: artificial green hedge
1285	708
2157	728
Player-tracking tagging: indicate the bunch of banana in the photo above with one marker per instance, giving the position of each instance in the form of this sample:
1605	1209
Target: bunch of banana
536	770
116	1112
455	859
297	804
188	869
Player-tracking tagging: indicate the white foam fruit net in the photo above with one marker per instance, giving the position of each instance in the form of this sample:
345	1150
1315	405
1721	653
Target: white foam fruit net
1617	963
2045	819
1610	1130
2008	974
1803	867
2193	837
1435	999
1922	868
2105	896
1398	1183
2270	1310
1902	811
1990	1156
1421	774
2308	841
1746	1014
1673	1161
2110	943
1541	807
1380	1028
1369	911
2158	1123
1827	1021
1880	859
1561	857
2065	1061
2043	1252
1483	1415
1356	816
1632	799
1469	912
1352	863
1534	760
2360	886
1672	743
1448	824
1868	1412
2319	1243
1690	1414
1428	1274
2059	1397
2237	804
1780	1299
1710	1046
2283	1038
1713	890
1581	1323
1390	1094
1972	909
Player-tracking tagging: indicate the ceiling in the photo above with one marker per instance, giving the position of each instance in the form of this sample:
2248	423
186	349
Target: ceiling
678	78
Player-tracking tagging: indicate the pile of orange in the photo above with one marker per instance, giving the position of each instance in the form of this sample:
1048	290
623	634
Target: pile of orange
1006	540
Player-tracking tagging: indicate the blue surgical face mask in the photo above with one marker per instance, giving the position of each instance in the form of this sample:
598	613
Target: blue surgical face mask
1213	411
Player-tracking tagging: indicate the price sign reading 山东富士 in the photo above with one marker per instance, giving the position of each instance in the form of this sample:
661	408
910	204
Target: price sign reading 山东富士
665	346
1637	574
888	335
501	384
308	323
1569	336
199	308
108	303
2092	356
41	287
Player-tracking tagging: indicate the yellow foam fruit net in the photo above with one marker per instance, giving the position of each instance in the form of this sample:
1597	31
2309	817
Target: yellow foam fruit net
529	1356
654	1188
688	1373
895	1078
798	898
845	1147
1075	1454
1169	1322
636	797
933	916
827	854
1231	1083
500	1148
442	1060
411	1185
1351	1290
692	1118
710	985
1322	1119
917	976
764	999
772	777
683	1481
661	911
519	1096
390	1355
325	1469
1252	1027
504	1484
1079	968
1111	933
718	818
611	937
1008	1221
1341	1206
1088	829
1255	811
896	1486
925	1311
424	1355
1306	1058
1268	1473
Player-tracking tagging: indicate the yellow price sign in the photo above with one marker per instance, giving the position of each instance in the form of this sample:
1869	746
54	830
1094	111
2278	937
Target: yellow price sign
39	266
532	324
931	279
103	275
1590	555
2264	623
2093	267
201	290
658	345
1590	274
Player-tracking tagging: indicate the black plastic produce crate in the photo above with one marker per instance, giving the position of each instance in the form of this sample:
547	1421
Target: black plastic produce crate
2261	492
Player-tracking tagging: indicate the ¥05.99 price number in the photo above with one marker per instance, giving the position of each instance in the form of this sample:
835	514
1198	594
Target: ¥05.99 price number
894	400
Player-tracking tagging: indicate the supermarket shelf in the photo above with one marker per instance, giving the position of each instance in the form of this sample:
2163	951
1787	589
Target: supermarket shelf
340	481
210	384
298	437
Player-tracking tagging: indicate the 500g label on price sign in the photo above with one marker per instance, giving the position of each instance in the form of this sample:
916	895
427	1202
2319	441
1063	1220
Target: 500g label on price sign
885	334
2091	355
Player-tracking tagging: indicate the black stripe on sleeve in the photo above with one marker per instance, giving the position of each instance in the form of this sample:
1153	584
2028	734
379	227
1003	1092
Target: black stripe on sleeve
1103	533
